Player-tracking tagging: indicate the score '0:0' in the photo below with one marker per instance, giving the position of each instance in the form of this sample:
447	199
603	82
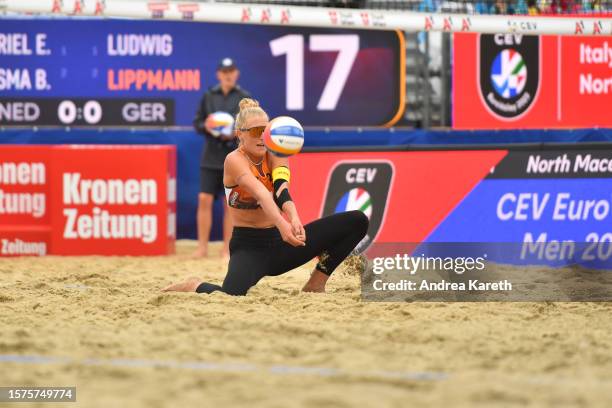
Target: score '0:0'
68	112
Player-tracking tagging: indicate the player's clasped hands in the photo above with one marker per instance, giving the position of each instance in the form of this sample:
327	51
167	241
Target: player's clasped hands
289	235
298	229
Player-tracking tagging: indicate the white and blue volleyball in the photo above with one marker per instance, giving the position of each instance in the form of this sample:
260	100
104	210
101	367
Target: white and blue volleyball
221	124
284	136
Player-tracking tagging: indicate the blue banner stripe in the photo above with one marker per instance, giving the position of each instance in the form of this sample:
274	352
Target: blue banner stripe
287	131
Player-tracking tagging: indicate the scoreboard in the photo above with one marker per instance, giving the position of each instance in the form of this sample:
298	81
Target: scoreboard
94	72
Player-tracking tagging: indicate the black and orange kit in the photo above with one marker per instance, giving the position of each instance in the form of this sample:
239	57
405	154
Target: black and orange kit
259	252
239	198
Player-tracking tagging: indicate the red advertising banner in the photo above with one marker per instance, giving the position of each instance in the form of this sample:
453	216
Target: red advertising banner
87	200
24	201
514	81
405	195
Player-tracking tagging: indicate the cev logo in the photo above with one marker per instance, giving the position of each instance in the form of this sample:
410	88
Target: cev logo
360	175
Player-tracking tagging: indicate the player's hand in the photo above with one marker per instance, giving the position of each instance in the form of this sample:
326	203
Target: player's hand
286	231
298	229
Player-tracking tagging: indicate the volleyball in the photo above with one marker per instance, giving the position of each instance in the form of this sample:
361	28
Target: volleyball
284	136
221	124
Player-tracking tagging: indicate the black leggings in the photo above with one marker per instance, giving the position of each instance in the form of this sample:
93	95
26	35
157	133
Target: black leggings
259	252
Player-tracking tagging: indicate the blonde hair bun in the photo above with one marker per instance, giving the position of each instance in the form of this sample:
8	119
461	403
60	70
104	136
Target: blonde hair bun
246	103
248	107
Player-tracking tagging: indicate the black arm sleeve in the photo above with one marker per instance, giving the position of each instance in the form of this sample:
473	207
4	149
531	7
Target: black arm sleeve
201	115
284	196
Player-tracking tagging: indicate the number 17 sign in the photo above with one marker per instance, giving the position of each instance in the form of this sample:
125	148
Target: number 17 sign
340	78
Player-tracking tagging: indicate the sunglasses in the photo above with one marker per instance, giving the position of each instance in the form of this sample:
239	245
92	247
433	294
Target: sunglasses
255	131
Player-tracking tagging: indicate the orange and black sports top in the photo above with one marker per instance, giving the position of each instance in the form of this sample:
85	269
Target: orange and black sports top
239	198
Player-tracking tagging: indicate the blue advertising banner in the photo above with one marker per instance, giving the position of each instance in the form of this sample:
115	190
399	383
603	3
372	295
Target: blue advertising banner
93	72
556	204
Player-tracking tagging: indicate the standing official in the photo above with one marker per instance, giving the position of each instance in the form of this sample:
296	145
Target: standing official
223	97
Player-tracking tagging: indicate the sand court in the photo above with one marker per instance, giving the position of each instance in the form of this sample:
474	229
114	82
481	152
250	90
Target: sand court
101	324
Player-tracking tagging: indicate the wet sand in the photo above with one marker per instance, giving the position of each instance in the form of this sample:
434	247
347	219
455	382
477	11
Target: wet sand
105	327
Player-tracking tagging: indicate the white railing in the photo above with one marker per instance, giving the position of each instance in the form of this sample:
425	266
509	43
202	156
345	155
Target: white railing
314	16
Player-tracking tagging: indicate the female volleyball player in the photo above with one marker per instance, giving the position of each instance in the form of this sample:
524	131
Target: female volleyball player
264	243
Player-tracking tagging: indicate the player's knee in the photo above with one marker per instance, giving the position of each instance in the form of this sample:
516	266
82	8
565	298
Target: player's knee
205	201
360	221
